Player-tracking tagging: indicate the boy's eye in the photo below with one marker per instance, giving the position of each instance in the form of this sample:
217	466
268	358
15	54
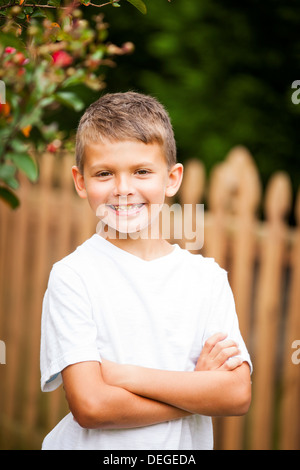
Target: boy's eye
142	172
103	174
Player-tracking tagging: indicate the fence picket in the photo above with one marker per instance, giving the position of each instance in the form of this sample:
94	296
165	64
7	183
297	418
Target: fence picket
268	303
191	194
290	406
243	242
215	230
39	272
15	327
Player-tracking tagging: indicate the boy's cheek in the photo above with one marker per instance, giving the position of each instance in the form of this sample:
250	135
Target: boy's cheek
94	197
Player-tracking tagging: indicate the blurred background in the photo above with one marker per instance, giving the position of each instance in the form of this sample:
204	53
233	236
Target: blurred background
225	72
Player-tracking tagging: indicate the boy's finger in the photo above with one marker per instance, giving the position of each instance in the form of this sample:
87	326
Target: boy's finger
225	354
221	346
232	363
211	342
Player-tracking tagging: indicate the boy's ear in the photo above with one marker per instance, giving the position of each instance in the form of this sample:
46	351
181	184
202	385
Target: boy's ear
175	179
79	182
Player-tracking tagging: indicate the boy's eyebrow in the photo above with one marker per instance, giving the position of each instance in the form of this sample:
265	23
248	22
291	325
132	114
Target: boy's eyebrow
139	164
107	165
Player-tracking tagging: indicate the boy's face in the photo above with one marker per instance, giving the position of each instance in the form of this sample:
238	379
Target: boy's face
126	183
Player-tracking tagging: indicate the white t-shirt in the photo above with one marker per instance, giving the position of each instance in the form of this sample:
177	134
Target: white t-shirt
103	302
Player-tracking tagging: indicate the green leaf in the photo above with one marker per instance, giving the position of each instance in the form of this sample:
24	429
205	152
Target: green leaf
38	14
75	79
98	54
32	115
69	99
4	12
4	134
54	3
18	145
140	5
9	39
9	197
28	10
7	175
46	101
25	163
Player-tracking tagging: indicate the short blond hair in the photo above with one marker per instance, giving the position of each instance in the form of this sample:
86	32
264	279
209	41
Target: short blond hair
126	116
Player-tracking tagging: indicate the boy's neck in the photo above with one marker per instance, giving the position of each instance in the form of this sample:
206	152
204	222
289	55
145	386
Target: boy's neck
145	248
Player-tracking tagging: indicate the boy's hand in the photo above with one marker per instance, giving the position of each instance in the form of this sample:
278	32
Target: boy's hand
218	354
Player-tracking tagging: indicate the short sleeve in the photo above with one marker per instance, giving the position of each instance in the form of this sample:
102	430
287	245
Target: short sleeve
68	331
223	317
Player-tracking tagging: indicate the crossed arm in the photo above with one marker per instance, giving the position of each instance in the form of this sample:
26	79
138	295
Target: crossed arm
114	396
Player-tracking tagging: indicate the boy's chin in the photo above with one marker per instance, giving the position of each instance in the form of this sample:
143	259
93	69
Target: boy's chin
133	232
127	232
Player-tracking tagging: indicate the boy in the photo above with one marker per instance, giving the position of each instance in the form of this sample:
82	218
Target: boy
126	316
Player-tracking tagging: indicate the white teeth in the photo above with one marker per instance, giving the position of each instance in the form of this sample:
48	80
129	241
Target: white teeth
126	207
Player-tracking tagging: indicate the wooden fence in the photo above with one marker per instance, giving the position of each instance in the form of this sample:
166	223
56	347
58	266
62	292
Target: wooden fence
260	253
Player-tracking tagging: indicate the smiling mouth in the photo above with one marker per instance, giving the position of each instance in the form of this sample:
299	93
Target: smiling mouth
126	209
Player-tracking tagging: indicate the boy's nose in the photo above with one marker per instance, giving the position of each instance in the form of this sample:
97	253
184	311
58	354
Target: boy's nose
123	186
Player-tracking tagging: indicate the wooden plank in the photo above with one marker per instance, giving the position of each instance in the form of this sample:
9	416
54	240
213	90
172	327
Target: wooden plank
268	304
6	215
190	195
215	228
17	289
39	276
4	235
246	199
290	405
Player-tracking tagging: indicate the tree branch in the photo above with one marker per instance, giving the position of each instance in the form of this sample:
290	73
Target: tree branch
8	5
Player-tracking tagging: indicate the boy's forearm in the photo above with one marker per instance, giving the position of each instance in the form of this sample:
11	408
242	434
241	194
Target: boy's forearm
96	404
212	393
119	409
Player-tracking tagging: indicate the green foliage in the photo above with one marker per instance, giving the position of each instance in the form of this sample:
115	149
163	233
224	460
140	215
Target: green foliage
139	5
23	12
224	71
45	53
